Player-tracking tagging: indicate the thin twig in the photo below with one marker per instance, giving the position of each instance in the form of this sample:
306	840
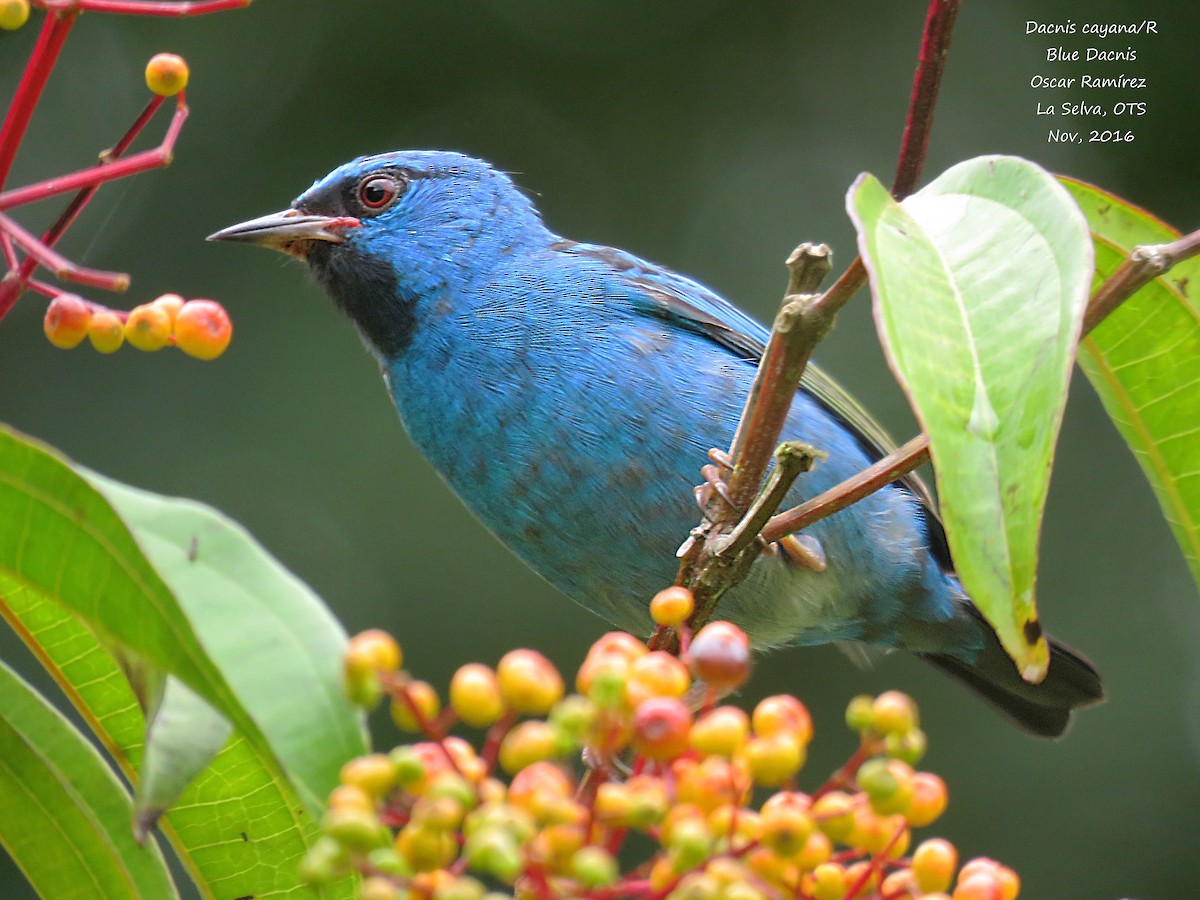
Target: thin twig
1141	267
882	473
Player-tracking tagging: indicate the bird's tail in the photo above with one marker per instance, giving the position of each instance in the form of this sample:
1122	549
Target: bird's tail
1041	709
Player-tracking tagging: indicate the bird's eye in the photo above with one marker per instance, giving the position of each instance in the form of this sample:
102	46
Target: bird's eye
378	192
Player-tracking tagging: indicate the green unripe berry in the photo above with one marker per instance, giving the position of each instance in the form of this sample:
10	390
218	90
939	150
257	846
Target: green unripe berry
325	860
461	888
594	867
410	769
355	829
859	714
386	861
907	746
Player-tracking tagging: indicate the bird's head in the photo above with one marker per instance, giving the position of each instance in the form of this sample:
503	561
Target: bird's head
389	235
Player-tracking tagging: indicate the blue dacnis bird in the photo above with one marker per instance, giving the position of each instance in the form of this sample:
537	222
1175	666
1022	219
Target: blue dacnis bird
568	393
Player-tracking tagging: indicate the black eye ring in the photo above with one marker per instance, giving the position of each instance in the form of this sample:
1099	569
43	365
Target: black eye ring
377	192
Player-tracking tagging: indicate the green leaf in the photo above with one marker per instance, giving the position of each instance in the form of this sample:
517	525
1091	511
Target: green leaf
183	736
65	814
1144	361
240	828
979	282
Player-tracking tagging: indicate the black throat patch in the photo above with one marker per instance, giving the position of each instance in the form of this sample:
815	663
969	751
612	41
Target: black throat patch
365	288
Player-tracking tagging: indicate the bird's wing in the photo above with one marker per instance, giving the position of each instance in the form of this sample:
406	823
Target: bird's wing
689	304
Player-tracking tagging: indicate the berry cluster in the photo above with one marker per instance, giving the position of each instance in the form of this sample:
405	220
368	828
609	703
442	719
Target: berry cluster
670	778
200	328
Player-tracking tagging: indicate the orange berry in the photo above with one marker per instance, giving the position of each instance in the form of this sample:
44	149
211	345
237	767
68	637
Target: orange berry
148	327
721	731
166	74
929	799
719	655
817	849
657	674
106	331
1008	881
421	695
979	886
350	796
894	713
202	328
711	782
13	14
782	713
528	682
933	864
67	319
672	606
622	643
857	877
475	695
899	884
660	728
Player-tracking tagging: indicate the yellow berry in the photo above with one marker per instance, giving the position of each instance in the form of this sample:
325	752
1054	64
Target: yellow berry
786	824
106	331
672	606
421	695
657	674
528	743
893	713
375	774
13	14
172	303
373	650
782	713
475	695
166	74
148	327
202	328
929	798
834	815
529	682
721	731
828	882
933	864
773	760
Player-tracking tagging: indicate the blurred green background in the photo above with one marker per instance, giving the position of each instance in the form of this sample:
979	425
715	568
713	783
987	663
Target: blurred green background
711	136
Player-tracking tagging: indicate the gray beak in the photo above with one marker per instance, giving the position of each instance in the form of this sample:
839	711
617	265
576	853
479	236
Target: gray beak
289	231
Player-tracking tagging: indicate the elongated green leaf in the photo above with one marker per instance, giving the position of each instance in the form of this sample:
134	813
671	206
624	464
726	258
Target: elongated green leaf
239	828
1144	361
65	814
980	281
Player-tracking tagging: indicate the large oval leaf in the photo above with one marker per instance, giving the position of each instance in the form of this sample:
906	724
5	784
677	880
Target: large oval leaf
65	814
1144	361
980	281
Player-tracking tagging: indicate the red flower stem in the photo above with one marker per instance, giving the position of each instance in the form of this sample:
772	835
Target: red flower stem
931	62
58	264
37	71
108	169
145	7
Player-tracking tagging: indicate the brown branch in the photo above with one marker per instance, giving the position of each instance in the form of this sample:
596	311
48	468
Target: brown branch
882	473
1141	267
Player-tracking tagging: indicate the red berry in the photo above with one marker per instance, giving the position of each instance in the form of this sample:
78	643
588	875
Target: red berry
67	320
202	328
660	728
166	74
720	655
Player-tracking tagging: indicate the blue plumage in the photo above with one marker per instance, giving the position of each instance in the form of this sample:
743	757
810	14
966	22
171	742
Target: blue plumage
568	393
